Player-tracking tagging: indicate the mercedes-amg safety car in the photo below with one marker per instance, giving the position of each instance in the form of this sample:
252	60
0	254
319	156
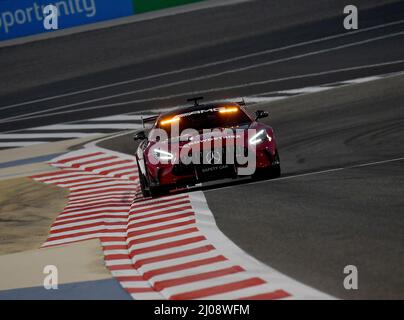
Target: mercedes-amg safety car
204	142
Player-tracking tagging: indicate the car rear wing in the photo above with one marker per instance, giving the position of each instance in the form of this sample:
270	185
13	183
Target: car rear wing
242	103
197	99
149	120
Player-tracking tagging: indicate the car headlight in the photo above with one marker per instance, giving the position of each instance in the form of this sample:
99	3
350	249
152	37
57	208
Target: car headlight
260	137
162	155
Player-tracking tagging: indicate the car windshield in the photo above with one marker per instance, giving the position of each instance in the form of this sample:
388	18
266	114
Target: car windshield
206	119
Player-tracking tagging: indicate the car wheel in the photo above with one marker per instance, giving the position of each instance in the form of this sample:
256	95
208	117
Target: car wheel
276	167
143	187
159	191
143	182
271	172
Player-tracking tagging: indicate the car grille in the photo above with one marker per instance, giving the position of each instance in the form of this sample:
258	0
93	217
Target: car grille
208	159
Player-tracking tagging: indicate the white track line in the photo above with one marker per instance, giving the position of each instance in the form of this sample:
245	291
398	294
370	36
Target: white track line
123	117
368	164
56	135
361	80
305	90
38	114
211	64
87	126
19	144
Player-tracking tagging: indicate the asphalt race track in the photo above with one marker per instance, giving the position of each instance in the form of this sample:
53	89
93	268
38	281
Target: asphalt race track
339	201
311	226
293	57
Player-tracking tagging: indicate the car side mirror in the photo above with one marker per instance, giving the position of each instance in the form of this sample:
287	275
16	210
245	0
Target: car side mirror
141	135
259	114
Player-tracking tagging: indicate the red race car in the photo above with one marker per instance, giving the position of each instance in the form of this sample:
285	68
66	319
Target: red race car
202	143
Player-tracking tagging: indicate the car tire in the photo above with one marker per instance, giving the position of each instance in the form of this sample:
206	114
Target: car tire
159	191
271	172
143	187
147	191
276	167
143	182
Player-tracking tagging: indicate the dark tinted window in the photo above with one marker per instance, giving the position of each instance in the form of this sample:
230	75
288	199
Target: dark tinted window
209	120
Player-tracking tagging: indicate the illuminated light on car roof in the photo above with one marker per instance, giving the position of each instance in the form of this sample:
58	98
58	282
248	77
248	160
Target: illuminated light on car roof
229	110
168	121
